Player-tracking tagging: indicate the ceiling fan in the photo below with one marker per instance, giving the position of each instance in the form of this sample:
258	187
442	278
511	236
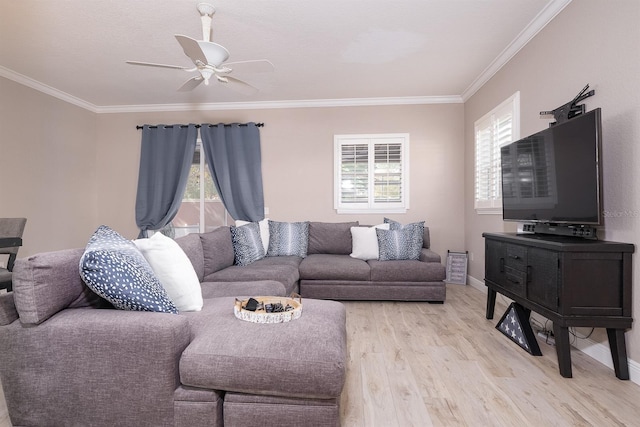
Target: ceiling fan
209	59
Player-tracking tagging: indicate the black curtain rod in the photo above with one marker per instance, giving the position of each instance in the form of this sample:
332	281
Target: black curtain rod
259	125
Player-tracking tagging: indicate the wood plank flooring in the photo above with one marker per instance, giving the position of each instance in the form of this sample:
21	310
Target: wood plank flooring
419	364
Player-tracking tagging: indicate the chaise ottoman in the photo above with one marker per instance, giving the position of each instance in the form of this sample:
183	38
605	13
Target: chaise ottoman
293	372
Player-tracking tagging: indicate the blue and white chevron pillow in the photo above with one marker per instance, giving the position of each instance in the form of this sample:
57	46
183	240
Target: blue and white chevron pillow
288	238
115	269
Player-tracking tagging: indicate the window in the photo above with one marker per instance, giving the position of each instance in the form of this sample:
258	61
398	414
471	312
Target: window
371	173
201	209
496	129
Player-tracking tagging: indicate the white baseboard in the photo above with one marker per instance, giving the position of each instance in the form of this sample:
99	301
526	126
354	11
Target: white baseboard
602	354
595	350
478	284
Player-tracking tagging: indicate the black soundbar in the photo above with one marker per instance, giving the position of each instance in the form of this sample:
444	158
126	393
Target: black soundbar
561	230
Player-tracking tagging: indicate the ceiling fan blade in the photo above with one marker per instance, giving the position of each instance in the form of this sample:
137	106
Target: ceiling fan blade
201	52
191	84
151	64
253	66
240	86
191	49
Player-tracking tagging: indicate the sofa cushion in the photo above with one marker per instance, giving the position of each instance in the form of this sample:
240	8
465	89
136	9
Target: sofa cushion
174	270
192	247
288	238
45	283
403	245
330	237
303	358
247	243
243	289
284	272
114	268
398	244
264	231
365	242
240	409
217	250
8	312
406	271
334	267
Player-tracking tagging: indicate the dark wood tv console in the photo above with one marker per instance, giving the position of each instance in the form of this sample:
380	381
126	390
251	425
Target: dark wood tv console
570	281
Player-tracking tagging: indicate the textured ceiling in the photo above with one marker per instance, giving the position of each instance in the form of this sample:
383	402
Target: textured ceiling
322	50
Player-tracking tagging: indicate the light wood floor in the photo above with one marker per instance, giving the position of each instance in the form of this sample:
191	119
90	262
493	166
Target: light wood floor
419	364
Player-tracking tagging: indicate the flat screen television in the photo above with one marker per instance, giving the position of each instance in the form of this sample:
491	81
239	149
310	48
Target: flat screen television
555	176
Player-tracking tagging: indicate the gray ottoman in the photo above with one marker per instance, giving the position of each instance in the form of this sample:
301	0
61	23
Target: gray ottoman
292	371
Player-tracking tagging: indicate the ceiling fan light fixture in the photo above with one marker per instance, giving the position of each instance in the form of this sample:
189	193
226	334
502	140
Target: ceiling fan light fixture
215	53
206	74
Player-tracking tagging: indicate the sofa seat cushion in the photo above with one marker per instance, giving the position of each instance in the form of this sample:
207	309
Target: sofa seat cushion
406	271
243	289
282	272
304	358
334	267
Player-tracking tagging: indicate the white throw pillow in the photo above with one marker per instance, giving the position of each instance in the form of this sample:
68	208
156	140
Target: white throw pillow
264	231
365	242
174	270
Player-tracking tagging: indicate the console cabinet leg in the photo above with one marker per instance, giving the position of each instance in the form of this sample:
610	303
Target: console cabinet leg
491	302
563	350
618	347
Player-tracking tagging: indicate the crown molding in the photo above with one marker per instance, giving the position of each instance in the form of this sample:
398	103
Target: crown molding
311	103
553	8
41	87
146	108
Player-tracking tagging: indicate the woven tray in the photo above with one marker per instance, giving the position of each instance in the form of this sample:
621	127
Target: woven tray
261	316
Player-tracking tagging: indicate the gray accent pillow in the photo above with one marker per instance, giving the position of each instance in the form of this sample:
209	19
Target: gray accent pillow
288	238
114	268
247	243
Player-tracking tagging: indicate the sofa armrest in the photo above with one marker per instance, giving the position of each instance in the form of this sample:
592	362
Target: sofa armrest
427	255
85	366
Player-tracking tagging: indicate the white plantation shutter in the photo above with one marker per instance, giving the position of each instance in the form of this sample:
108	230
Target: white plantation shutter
387	178
371	173
354	179
496	129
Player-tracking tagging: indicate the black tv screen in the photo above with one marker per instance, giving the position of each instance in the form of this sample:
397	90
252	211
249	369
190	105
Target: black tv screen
554	176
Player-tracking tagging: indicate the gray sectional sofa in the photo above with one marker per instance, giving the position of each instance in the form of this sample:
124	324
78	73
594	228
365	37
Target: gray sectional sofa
328	271
69	358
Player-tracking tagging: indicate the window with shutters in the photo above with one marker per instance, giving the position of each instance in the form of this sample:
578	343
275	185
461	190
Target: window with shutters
371	173
494	130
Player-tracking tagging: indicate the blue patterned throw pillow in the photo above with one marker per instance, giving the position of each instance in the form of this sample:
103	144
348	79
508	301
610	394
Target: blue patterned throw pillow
288	238
412	238
247	243
397	244
114	268
418	229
